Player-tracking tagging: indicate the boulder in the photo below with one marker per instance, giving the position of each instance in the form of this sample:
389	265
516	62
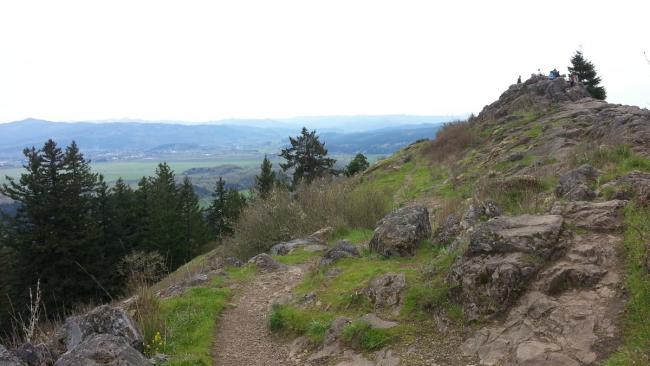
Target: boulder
313	248
265	262
34	355
323	234
400	232
596	216
103	350
633	186
9	359
342	249
534	234
490	284
101	320
386	290
575	184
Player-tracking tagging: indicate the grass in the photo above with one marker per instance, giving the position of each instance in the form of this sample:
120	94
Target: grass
535	131
297	256
291	321
190	319
354	235
360	334
615	161
635	349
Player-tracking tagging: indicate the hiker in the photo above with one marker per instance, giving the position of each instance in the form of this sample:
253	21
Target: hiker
551	75
519	80
573	78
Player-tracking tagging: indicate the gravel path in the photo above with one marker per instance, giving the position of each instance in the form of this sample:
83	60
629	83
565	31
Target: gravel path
242	337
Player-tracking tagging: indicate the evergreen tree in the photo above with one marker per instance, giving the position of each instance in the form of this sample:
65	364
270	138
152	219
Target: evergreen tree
225	209
357	165
266	180
123	204
142	235
586	73
195	231
51	230
308	157
216	211
165	231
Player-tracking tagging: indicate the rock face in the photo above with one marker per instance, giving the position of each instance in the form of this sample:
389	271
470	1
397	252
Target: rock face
265	262
633	186
103	350
503	256
575	184
9	359
569	315
101	320
533	234
386	291
34	355
597	216
448	231
400	232
342	249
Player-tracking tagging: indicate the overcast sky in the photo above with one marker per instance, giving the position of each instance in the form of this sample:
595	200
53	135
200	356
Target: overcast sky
207	60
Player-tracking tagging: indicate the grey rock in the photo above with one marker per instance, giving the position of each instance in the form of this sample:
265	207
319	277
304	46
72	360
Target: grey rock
101	320
34	355
335	330
313	248
342	249
535	234
265	262
400	232
633	186
9	359
596	216
449	230
575	184
376	322
385	291
285	248
103	350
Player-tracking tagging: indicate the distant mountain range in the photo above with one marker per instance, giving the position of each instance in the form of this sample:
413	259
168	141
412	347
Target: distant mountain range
125	140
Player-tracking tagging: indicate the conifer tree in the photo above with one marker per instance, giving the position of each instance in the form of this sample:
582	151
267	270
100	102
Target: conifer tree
266	180
165	228
194	229
225	209
308	157
357	165
586	73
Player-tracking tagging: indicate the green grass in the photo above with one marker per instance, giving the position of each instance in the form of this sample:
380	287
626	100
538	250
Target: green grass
635	349
297	256
190	319
614	161
359	334
353	235
291	321
535	131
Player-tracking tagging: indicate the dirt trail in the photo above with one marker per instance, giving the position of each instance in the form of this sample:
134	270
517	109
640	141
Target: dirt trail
242	336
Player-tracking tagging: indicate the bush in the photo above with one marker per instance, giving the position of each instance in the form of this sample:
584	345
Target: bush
451	140
361	334
284	216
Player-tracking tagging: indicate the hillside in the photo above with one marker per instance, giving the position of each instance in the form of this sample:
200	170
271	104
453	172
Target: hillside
518	237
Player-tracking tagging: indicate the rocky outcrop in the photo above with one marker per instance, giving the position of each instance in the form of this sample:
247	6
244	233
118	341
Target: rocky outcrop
532	234
597	216
575	185
9	359
34	355
448	231
504	255
342	249
103	350
633	186
286	247
569	315
401	231
265	262
386	290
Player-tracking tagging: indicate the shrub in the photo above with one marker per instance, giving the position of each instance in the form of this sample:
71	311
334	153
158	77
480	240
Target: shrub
284	216
361	334
451	140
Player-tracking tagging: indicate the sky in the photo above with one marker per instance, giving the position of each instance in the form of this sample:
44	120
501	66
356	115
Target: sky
206	60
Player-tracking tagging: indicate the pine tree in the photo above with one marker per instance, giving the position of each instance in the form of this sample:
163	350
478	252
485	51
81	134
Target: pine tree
216	211
586	73
225	209
123	203
357	165
266	180
195	231
308	157
165	228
